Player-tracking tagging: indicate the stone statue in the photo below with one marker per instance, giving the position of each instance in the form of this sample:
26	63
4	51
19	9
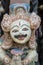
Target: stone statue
19	37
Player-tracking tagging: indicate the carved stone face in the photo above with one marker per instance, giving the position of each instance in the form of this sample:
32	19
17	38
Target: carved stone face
20	31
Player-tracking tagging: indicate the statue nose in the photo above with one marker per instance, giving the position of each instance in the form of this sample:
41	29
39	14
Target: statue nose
20	32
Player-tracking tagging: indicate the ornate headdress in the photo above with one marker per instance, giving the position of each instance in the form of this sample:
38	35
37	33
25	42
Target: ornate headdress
33	19
13	7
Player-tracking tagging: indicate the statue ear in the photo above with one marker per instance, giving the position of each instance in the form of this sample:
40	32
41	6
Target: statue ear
35	21
5	24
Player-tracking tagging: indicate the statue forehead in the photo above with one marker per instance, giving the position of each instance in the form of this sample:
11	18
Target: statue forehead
20	22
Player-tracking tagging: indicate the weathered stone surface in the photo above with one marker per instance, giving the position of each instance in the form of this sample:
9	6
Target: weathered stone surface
19	1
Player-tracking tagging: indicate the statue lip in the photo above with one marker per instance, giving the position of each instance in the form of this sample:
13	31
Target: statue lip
20	37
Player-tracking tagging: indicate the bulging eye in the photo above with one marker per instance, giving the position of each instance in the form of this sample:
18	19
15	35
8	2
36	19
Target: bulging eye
15	31
25	29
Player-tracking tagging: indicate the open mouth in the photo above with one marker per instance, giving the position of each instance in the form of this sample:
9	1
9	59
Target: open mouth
20	37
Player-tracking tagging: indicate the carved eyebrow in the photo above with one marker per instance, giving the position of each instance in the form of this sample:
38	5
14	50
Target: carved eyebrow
24	25
15	26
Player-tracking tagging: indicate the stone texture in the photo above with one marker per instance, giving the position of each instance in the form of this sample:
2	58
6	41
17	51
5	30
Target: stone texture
19	1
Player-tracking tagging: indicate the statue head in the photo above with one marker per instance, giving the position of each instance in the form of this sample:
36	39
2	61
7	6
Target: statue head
20	31
20	25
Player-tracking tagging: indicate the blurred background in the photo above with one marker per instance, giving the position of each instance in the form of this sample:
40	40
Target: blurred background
38	4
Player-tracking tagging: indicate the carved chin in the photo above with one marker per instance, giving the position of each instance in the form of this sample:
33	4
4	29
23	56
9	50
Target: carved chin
20	41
